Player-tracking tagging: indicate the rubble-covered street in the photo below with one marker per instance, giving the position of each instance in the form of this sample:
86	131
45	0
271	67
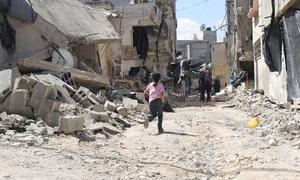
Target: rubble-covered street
149	89
199	143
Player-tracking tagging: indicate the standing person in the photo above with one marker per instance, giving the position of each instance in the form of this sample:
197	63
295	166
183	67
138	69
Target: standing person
205	85
155	90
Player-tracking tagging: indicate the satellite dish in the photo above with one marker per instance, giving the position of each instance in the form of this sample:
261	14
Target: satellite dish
202	27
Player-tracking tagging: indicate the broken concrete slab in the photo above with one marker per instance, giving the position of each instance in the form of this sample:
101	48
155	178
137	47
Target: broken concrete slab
104	128
70	124
123	121
98	116
122	111
110	106
87	79
130	103
98	108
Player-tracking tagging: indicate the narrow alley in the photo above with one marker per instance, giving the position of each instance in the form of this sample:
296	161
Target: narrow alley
198	143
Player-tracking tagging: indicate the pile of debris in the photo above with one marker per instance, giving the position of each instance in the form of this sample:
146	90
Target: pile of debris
46	104
276	119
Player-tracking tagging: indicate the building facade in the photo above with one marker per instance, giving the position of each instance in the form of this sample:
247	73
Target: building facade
275	68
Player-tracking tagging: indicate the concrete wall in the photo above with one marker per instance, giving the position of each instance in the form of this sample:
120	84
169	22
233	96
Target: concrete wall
197	49
273	83
220	62
29	39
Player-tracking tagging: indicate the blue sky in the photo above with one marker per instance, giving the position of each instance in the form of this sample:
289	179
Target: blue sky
192	13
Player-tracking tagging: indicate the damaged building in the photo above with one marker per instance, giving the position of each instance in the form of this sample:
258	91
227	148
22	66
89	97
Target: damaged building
148	33
57	60
239	39
275	39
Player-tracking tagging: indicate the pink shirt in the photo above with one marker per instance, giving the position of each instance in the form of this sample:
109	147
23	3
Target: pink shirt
155	92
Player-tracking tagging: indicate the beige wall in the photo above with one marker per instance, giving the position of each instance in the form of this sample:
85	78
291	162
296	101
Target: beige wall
220	62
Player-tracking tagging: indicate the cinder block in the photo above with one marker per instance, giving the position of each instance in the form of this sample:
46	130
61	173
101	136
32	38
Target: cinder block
52	119
47	106
110	106
70	124
18	101
122	111
98	116
42	91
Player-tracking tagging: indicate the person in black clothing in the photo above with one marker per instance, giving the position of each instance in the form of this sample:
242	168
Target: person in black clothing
205	85
216	85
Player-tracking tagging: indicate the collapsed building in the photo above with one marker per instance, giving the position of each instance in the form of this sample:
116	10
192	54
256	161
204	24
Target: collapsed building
148	33
275	39
59	60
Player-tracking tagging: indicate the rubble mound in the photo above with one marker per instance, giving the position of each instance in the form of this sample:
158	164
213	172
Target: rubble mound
276	119
47	104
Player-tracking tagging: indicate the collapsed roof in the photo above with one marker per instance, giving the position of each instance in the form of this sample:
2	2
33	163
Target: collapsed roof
76	20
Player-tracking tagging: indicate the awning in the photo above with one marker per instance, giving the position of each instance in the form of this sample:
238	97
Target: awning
78	22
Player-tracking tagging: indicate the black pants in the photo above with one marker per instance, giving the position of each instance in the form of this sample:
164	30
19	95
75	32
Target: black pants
156	110
202	94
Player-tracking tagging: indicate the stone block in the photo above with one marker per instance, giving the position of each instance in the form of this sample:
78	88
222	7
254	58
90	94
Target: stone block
18	101
111	129
130	103
52	119
98	116
98	108
122	121
122	111
110	106
47	106
96	127
42	91
21	83
104	128
70	124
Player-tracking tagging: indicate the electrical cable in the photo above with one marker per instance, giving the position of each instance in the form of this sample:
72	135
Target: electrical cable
192	6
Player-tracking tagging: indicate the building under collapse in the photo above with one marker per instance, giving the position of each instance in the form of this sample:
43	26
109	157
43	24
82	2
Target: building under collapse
117	38
148	33
276	37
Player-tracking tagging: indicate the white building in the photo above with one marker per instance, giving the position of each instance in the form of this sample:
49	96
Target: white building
276	73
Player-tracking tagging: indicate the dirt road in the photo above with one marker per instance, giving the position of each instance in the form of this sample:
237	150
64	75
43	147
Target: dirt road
199	143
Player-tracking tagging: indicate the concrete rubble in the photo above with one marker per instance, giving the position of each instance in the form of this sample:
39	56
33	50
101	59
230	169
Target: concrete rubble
277	120
36	106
